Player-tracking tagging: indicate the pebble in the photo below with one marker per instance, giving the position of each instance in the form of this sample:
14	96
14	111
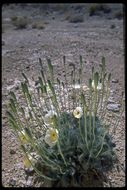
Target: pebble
12	182
29	171
12	151
115	81
10	82
113	107
17	88
29	182
112	26
110	100
20	165
22	182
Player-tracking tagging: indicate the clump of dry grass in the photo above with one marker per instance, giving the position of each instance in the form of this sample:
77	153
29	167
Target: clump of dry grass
74	18
96	8
39	25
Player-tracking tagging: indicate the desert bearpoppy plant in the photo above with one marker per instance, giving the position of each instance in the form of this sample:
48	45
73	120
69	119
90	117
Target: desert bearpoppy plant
64	134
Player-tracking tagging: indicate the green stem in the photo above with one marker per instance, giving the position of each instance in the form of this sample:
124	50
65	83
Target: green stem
94	123
80	130
85	130
66	82
59	149
101	146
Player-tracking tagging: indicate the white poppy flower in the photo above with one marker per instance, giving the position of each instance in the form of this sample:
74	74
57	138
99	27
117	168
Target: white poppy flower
78	112
51	136
99	86
49	117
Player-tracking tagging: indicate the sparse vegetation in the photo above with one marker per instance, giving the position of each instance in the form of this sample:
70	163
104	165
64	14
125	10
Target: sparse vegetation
14	18
20	23
96	8
39	25
75	18
118	15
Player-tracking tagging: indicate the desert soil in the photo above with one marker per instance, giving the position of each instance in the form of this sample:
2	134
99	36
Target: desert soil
97	36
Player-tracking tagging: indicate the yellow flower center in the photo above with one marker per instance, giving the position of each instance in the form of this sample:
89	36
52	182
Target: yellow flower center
53	136
77	113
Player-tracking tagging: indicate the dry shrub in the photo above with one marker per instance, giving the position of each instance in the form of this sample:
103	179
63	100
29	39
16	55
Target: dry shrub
14	18
96	8
118	15
39	25
20	22
75	18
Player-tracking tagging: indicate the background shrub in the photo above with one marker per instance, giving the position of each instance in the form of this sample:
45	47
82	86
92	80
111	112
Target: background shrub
118	15
75	18
96	8
20	23
38	25
14	18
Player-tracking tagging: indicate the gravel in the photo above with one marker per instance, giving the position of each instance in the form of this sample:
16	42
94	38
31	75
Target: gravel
92	39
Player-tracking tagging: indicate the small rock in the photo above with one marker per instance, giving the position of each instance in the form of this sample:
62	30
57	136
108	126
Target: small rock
12	151
17	88
29	171
112	26
10	82
113	107
30	182
27	67
22	182
20	165
75	26
115	81
110	101
12	182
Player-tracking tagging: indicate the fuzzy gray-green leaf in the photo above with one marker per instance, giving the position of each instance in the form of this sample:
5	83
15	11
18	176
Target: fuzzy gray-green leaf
13	95
25	77
50	65
81	62
103	63
10	115
40	61
109	76
90	83
96	78
12	105
28	133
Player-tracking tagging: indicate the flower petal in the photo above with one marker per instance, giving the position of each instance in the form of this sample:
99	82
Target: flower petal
51	136
78	112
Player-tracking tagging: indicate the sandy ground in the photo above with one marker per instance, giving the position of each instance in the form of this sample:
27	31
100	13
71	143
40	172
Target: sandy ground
93	38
